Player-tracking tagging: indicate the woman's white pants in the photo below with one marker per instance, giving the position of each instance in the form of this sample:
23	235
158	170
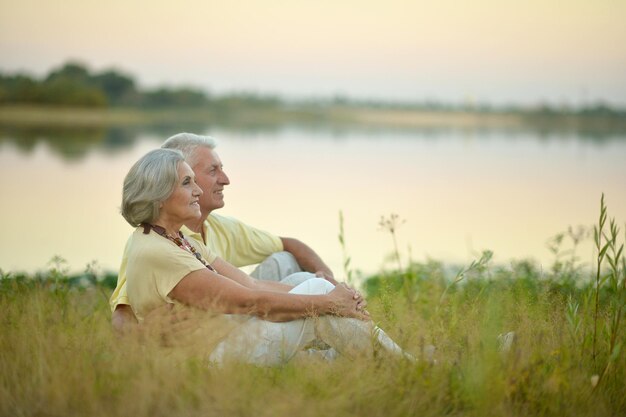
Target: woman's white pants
267	343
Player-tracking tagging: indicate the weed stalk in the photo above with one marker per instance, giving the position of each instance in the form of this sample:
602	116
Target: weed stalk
346	259
598	232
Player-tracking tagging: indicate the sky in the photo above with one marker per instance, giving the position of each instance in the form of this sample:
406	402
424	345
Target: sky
500	52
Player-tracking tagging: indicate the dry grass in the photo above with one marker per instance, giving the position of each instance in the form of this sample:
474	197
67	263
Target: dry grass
59	357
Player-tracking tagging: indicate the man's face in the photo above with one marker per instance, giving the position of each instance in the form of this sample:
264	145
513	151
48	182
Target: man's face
211	177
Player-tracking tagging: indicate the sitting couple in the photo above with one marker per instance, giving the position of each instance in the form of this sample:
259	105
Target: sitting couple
181	255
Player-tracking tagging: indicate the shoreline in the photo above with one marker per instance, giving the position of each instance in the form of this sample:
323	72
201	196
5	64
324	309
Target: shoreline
68	118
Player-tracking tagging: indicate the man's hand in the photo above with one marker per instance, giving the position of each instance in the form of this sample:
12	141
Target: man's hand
327	275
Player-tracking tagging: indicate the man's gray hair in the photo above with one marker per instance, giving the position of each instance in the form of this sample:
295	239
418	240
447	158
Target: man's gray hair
148	183
187	143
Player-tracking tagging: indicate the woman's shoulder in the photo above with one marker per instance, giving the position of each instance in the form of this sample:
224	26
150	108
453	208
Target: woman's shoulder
152	249
149	245
140	239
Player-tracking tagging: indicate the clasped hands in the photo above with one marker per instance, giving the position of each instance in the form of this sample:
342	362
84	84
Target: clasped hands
349	302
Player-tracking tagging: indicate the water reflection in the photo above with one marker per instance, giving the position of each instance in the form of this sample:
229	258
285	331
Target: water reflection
459	190
72	144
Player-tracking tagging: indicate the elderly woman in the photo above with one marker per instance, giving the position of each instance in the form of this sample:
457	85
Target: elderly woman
275	320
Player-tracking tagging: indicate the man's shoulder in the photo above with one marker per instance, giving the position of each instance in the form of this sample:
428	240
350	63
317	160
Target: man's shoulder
226	226
217	220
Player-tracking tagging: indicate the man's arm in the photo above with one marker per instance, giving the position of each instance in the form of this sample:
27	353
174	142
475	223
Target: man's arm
308	259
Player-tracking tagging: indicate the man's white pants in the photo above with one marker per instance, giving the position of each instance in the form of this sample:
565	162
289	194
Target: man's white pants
262	342
280	266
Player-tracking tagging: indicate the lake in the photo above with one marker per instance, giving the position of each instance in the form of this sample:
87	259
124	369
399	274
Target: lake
457	191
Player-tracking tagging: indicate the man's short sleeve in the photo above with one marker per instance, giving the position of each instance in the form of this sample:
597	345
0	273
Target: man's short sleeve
238	243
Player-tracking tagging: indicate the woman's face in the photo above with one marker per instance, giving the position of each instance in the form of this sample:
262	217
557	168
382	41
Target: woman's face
182	205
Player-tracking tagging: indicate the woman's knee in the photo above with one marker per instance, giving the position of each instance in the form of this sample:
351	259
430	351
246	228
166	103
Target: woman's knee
313	286
297	278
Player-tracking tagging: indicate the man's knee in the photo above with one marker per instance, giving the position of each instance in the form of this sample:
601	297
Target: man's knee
276	267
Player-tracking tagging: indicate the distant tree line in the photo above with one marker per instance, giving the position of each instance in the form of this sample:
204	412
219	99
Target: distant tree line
74	85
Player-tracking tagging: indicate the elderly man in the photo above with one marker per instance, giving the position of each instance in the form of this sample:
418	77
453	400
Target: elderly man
232	240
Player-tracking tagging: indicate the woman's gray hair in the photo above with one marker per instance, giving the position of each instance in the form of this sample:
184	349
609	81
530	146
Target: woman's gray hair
187	143
148	183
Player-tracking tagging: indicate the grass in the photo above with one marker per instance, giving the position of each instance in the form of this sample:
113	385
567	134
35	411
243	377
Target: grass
58	355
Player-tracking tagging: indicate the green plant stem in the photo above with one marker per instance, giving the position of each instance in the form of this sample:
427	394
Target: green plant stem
601	252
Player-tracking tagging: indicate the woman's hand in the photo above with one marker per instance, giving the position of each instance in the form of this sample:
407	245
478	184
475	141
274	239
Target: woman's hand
357	296
348	303
123	320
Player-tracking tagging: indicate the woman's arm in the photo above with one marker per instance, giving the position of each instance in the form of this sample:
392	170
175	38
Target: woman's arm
208	290
229	271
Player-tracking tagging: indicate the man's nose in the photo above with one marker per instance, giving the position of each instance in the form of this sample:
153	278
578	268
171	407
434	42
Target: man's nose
224	178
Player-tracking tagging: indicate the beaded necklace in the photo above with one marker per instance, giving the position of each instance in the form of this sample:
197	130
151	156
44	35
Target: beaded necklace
180	241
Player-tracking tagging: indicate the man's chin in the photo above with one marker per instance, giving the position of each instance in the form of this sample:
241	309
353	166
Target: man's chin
217	206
